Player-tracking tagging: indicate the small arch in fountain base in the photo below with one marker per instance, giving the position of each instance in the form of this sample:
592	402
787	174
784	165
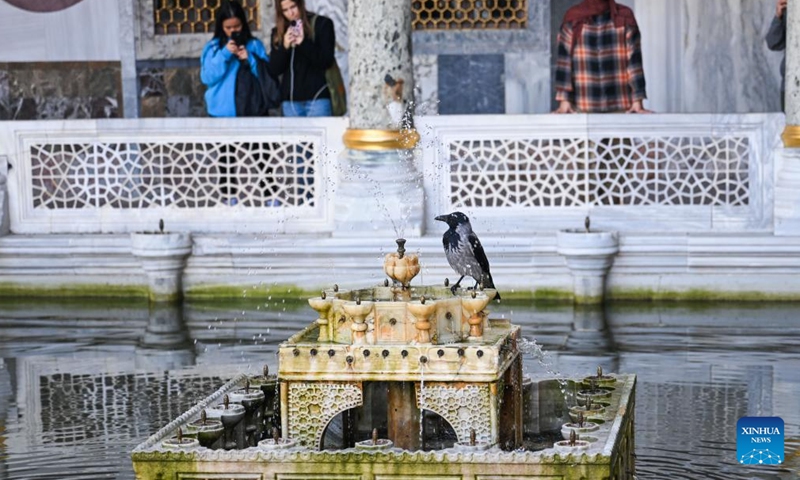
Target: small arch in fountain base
329	399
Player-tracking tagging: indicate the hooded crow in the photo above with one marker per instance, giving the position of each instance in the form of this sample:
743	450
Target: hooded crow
464	251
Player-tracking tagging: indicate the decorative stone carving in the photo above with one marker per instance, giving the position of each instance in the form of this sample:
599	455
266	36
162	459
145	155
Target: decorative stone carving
313	405
464	409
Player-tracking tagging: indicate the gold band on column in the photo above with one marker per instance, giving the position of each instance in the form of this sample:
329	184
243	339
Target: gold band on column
357	139
791	136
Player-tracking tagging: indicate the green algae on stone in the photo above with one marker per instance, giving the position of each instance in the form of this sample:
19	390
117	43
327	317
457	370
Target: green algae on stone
699	295
96	290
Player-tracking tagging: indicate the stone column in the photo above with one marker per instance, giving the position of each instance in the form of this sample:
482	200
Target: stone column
787	188
4	210
127	52
380	45
380	185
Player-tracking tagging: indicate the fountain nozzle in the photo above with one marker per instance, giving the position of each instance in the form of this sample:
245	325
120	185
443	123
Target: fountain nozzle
599	371
472	439
401	248
374	436
266	370
586	223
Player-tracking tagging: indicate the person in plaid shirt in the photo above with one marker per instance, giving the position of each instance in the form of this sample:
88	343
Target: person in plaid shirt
599	64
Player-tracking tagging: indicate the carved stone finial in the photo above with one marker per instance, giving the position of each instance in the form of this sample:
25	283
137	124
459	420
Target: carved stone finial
401	247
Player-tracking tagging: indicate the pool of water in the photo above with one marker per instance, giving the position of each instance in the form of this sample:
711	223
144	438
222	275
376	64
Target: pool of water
82	384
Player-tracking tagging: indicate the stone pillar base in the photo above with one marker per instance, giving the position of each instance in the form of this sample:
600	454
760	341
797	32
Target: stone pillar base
787	194
589	256
163	258
379	194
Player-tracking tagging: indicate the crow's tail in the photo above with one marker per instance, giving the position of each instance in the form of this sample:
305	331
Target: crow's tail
489	283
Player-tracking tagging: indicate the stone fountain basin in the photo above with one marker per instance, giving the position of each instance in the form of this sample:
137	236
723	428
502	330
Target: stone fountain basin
564	446
588	427
391	319
152	460
370	446
155	244
576	242
599	393
596	411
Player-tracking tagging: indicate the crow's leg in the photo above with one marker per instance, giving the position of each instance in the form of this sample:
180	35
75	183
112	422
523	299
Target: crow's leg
457	284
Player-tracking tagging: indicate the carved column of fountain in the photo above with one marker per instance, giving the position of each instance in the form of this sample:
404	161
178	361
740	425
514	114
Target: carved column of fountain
378	186
163	258
787	188
589	255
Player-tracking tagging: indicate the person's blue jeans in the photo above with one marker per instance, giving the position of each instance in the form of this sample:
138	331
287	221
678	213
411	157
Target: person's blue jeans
320	107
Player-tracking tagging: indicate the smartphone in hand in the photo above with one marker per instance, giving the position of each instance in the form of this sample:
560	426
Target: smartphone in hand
238	38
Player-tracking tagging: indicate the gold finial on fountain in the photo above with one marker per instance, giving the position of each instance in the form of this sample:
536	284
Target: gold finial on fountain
400	267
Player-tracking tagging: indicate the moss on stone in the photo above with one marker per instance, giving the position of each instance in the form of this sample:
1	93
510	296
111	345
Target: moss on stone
699	295
19	290
244	291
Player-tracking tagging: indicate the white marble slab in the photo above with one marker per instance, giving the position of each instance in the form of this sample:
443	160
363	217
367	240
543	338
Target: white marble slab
88	31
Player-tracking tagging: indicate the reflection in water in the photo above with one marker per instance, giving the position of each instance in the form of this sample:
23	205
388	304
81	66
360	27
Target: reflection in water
590	343
165	344
80	387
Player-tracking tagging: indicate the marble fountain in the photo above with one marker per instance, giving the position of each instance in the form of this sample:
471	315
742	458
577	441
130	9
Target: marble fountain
398	381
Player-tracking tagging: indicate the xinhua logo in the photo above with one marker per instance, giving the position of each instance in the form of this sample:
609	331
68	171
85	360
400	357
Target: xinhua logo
759	440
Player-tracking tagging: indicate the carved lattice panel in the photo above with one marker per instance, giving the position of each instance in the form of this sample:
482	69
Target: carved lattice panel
469	14
467	408
173	175
573	172
195	16
313	405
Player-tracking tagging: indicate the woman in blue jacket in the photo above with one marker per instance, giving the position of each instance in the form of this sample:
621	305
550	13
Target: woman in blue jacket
231	92
232	47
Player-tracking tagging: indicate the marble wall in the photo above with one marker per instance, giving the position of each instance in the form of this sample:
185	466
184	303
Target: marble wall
88	31
60	90
709	56
725	64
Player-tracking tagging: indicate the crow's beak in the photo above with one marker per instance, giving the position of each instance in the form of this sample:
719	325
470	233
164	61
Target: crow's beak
441	218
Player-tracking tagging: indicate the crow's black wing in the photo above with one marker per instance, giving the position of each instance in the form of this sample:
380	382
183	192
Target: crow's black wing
480	255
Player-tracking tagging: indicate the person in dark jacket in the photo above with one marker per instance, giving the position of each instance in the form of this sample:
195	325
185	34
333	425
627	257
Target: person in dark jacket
776	41
302	49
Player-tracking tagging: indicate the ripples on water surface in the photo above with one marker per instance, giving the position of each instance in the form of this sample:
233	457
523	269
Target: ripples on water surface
80	387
